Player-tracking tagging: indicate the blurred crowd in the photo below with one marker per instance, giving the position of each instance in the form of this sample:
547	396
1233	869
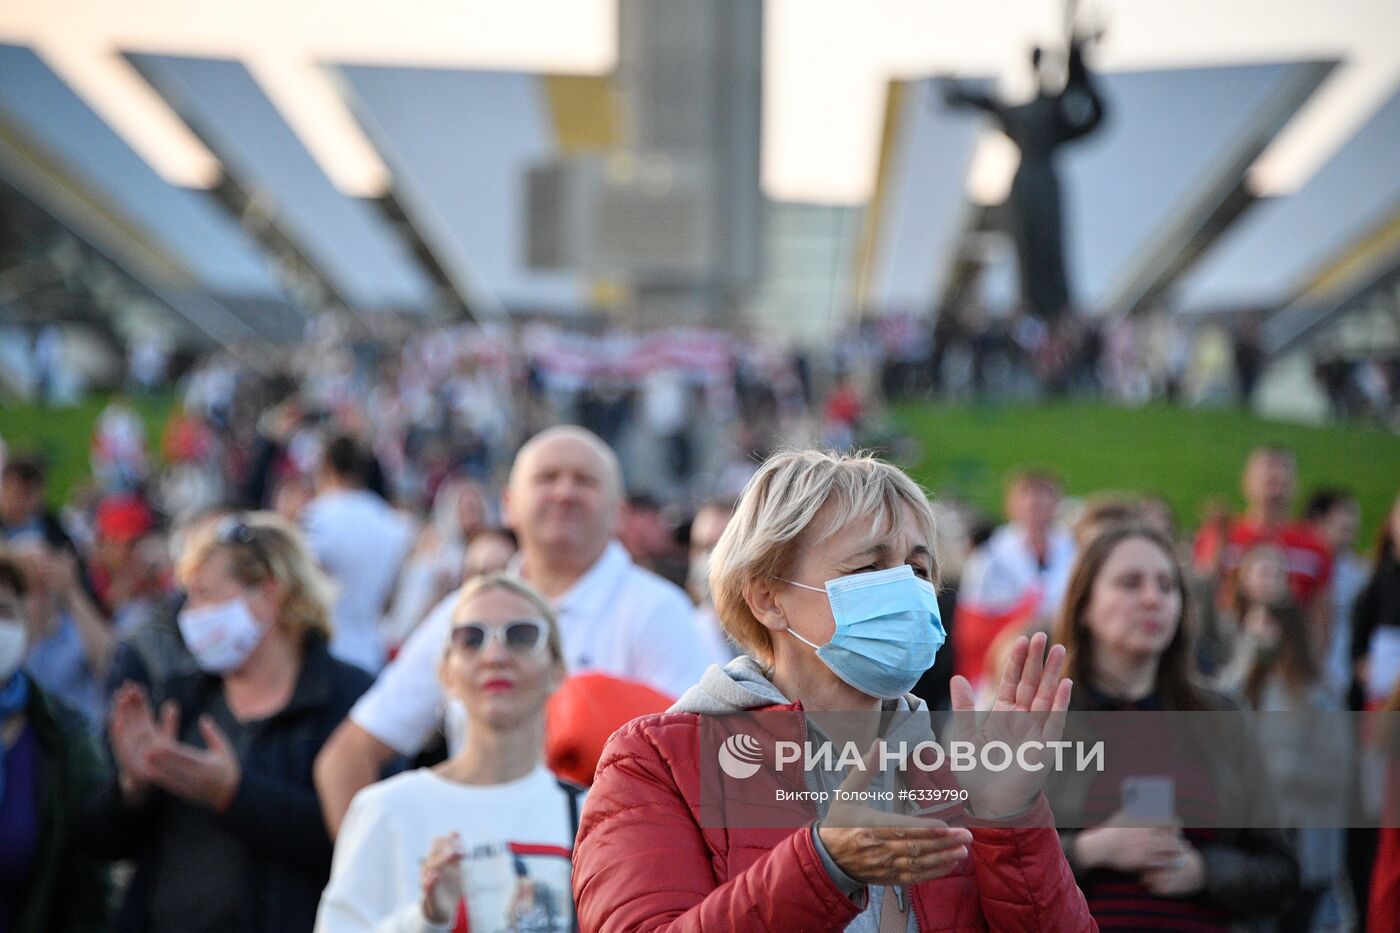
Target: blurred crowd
1128	360
486	551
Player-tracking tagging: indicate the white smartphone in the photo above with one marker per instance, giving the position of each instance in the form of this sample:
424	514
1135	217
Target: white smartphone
1149	799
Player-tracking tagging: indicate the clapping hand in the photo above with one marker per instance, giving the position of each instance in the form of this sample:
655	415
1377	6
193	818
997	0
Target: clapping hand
206	776
150	754
1031	704
133	732
874	847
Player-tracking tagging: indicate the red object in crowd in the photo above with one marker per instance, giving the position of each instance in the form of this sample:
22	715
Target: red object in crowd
187	439
1384	906
975	630
1309	559
843	406
123	518
584	712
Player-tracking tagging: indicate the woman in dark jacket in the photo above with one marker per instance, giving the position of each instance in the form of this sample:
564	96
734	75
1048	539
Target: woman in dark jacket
50	882
214	797
1125	628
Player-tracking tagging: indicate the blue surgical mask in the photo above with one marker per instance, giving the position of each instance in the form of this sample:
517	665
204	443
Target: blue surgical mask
888	630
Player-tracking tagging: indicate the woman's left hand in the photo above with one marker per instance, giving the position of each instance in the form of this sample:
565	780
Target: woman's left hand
1182	879
206	776
1030	708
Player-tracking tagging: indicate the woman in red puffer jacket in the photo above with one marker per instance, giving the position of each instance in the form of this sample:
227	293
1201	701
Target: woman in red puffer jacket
689	827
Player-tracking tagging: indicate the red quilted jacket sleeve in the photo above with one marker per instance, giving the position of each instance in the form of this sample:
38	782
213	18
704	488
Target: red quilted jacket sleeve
641	862
1023	879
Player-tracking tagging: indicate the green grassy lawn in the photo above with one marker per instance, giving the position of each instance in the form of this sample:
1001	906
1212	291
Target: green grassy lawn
64	435
1187	455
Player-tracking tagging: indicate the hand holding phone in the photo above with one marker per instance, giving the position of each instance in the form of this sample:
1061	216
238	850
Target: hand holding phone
1148	800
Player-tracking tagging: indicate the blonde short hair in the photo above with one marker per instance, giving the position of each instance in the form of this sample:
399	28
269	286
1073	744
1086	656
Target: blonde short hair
776	511
263	546
500	580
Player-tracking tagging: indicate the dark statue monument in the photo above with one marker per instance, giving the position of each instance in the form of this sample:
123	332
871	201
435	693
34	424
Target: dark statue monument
1038	128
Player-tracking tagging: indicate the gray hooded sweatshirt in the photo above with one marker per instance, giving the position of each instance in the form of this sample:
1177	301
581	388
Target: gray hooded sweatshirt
743	685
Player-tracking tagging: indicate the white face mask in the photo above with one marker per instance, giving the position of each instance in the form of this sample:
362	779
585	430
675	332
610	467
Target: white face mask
222	636
13	641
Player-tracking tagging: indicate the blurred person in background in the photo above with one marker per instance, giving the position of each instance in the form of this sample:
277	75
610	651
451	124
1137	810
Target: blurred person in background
24	516
563	500
488	834
842	414
1270	482
1336	517
1155	511
649	538
1125	628
867	530
213	795
290	496
153	653
51	881
1263	606
433	568
1018	577
120	570
1101	512
196	463
491	549
360	542
705	529
1275	672
119	458
70	642
1375	645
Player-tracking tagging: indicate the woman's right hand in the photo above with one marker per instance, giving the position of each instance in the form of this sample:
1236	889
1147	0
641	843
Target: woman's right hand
874	847
134	733
1132	850
442	879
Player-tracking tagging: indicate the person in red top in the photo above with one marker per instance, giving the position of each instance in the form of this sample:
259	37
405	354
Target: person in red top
841	414
1270	482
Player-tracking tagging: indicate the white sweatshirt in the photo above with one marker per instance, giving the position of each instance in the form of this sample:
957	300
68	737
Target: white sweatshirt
518	842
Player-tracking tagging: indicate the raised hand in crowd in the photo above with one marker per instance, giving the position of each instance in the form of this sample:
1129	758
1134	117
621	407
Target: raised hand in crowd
150	754
1030	707
58	588
133	732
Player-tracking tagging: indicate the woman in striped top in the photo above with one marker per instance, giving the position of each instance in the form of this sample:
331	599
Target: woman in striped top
1125	628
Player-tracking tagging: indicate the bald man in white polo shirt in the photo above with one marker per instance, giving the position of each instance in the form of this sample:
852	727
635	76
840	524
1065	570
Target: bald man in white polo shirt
563	500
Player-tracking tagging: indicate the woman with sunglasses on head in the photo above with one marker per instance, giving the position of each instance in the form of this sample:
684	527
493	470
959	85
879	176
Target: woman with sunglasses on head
484	840
214	798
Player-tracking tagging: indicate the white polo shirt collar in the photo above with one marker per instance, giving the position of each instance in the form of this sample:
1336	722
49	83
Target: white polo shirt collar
594	592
